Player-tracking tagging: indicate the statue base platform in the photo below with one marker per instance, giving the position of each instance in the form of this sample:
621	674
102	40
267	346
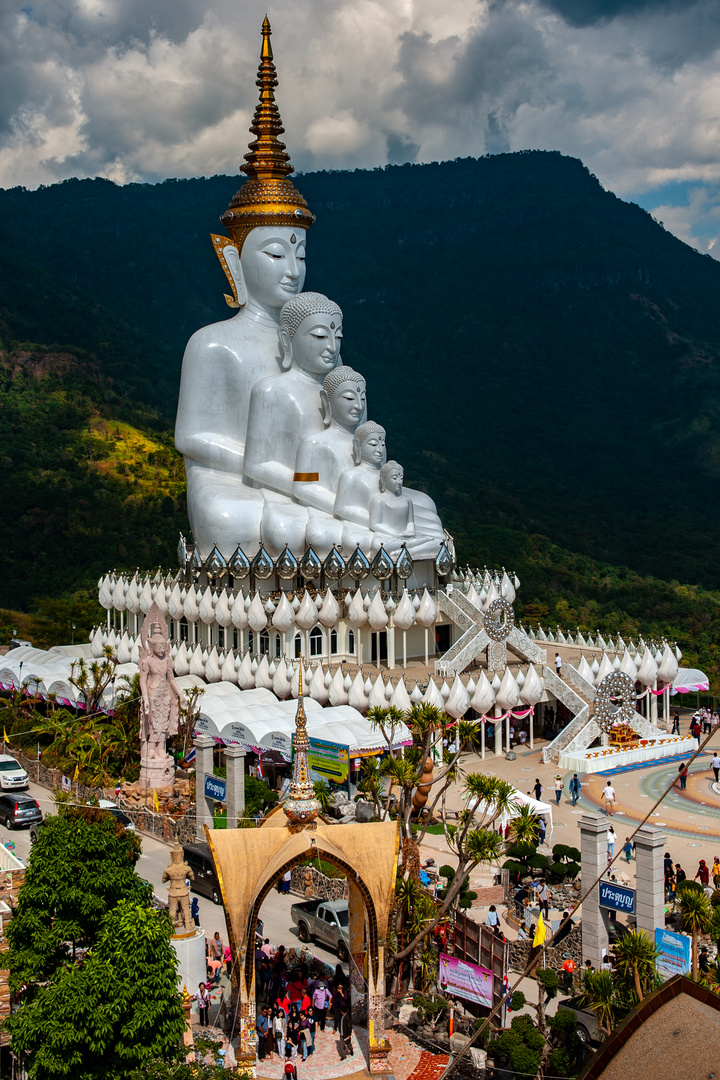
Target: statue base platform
192	969
156	773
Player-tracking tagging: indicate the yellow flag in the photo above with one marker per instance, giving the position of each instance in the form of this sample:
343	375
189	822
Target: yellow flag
5	736
539	931
156	804
77	773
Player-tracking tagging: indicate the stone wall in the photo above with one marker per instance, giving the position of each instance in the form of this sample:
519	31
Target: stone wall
520	951
309	882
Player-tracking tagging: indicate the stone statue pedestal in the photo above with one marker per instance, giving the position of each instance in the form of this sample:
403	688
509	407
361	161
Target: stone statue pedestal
192	969
156	774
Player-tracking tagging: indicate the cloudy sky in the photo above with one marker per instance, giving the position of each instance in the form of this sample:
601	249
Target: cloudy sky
147	89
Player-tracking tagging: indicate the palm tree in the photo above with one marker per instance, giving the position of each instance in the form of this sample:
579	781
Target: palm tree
322	794
599	995
524	827
636	959
697	914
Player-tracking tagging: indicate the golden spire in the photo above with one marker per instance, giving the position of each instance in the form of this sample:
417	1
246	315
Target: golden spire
267	197
301	807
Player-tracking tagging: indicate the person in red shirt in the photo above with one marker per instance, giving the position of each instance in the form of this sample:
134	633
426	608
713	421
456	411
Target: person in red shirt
703	873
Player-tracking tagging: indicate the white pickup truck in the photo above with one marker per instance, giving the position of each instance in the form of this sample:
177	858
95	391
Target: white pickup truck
325	921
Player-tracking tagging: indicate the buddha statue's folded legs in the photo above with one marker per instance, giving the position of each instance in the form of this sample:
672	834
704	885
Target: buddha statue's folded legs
222	511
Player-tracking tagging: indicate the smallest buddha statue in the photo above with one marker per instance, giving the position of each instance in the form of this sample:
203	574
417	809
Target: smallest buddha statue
391	512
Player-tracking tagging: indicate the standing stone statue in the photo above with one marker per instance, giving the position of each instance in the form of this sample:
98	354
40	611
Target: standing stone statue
159	704
177	874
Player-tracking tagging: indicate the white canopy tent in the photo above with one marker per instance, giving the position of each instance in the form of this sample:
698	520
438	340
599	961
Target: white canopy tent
688	680
517	800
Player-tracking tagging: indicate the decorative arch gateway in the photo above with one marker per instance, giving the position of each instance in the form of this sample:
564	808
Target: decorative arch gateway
249	862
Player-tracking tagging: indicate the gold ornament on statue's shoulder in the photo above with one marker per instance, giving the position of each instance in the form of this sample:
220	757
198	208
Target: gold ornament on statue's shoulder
267	197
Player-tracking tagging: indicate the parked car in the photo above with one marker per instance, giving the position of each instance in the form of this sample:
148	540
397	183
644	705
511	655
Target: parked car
326	921
205	881
12	775
19	810
18	643
117	813
587	1026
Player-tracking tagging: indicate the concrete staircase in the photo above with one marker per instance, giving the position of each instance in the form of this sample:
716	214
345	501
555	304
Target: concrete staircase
474	638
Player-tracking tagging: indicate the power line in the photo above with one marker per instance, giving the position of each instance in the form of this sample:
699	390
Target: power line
533	962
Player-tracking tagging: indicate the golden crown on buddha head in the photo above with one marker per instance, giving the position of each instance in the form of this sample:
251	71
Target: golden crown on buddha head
267	197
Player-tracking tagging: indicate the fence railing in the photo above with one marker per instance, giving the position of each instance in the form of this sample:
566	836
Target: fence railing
145	819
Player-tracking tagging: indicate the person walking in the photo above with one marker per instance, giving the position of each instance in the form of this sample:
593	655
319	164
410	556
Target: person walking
676	723
716	766
611	838
493	919
286	879
680	874
345	1046
609	797
339	1004
217	948
544	899
203	999
628	849
575	788
703	873
312	1024
568	968
195	910
321	999
695	730
279	1028
558	788
537	788
542	827
716	872
558	664
682	775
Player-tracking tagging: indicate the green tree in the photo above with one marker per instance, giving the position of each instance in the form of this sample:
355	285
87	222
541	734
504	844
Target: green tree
636	961
697	914
81	867
111	1013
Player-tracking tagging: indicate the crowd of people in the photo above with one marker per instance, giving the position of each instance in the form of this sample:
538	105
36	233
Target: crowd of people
295	1001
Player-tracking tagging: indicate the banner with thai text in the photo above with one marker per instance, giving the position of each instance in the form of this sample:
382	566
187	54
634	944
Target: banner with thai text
459	978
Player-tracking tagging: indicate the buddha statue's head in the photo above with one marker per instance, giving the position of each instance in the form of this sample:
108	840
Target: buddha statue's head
391	478
310	334
369	445
343	398
267	219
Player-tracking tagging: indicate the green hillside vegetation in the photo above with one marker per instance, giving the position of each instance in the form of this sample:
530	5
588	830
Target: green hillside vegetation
544	356
89	478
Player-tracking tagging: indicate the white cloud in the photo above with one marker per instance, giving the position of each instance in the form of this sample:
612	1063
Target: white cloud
144	89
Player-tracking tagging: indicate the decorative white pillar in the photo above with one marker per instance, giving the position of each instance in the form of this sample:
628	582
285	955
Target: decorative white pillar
204	746
593	847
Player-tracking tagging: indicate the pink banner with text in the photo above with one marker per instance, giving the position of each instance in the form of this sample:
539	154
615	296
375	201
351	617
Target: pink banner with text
459	978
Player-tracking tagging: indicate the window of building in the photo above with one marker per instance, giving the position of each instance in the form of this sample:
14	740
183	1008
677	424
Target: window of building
316	641
264	643
351	641
333	641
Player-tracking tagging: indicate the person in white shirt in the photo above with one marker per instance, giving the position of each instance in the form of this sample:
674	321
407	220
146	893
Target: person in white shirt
716	766
609	797
558	663
611	838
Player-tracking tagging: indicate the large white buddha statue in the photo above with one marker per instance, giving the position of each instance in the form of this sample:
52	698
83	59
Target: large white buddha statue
285	408
264	260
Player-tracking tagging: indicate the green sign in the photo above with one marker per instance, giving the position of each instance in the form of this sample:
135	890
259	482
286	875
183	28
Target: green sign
330	760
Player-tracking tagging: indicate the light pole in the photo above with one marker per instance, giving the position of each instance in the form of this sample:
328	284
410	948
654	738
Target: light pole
73	634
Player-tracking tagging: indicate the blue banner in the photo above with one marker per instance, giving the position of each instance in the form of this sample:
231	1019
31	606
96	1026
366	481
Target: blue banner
617	897
215	788
674	953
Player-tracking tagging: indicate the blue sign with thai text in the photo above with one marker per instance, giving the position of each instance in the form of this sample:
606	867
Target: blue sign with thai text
673	953
215	788
617	897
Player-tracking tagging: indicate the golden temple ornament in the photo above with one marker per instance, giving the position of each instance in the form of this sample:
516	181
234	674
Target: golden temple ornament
267	197
301	807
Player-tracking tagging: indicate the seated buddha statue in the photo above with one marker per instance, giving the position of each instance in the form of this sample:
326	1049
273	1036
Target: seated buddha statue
264	260
391	512
285	408
323	456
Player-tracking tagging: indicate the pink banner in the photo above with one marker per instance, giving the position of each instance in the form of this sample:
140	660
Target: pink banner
460	978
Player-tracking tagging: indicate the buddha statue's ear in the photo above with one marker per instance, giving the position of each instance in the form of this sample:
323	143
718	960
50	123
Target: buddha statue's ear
356	452
285	349
325	408
229	258
232	258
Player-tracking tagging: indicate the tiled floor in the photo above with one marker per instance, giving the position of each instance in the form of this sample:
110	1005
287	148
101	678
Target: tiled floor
407	1061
